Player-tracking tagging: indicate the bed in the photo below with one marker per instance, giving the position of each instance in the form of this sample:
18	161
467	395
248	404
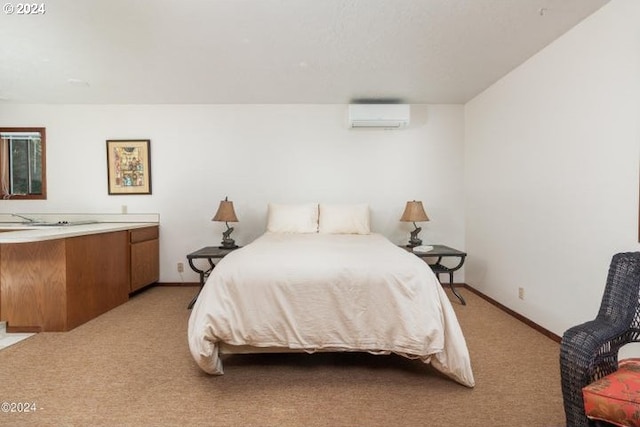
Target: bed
326	291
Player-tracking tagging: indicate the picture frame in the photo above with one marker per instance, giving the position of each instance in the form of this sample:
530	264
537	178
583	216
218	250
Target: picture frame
129	166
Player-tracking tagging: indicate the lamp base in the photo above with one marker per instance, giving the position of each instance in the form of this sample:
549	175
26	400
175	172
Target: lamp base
414	242
228	247
228	243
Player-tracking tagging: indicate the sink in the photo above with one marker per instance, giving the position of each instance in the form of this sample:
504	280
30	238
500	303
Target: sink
58	224
22	225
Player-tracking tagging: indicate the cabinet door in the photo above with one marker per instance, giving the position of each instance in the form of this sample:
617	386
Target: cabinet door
145	263
96	275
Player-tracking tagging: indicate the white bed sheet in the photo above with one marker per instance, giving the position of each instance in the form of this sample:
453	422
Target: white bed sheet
319	292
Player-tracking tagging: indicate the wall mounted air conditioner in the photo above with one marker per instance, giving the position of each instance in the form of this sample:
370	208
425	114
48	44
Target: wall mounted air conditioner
382	116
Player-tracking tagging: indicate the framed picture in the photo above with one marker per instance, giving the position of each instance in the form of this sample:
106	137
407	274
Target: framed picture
129	166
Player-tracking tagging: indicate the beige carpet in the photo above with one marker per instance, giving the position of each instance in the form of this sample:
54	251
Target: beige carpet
132	367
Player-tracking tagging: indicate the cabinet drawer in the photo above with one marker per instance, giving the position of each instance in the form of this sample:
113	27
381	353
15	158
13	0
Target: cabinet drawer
143	234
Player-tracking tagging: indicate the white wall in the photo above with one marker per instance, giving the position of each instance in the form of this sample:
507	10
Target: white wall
551	164
254	154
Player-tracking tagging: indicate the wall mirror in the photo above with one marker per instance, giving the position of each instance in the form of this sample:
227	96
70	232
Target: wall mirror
23	163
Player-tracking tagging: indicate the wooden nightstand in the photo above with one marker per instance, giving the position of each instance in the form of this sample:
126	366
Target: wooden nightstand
442	251
209	253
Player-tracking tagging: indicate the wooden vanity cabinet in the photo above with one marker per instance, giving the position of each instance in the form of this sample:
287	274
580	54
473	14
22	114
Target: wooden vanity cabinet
144	248
58	284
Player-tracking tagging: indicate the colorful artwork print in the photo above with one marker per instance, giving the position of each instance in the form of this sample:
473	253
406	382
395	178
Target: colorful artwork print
128	167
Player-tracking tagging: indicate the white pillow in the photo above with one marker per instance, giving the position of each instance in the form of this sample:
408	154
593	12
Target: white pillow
344	219
301	218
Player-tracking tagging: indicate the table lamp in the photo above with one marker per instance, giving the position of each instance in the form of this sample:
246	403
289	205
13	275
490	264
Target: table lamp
414	212
226	214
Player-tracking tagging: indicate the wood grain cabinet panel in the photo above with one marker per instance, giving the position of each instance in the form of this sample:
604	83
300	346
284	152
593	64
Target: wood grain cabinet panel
145	257
33	280
97	275
56	285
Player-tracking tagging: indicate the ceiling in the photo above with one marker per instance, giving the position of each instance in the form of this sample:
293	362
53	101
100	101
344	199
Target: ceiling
272	51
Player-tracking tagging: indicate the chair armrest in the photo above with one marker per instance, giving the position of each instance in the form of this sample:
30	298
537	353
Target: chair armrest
587	352
594	345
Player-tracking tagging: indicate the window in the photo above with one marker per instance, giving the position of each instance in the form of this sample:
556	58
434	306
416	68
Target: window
22	163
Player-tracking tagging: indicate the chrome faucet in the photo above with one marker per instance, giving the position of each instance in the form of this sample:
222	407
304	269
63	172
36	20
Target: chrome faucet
23	217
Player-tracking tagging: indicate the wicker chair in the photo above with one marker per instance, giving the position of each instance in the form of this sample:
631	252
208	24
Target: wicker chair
589	351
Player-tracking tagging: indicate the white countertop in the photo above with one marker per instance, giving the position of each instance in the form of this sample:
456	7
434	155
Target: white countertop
37	233
22	232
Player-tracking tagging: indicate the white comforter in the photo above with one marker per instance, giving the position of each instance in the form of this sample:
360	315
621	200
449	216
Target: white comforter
316	292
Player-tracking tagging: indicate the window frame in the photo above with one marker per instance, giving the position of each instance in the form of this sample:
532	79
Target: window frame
43	143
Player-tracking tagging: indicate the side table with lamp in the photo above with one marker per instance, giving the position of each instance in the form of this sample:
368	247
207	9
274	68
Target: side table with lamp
414	212
226	214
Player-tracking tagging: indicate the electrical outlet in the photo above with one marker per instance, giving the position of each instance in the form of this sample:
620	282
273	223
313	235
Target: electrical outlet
521	293
180	267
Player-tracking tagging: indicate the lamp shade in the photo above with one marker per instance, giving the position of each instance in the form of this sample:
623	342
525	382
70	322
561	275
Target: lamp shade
225	212
414	212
